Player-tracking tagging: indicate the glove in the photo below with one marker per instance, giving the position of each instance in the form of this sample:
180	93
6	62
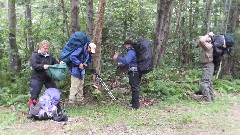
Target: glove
45	66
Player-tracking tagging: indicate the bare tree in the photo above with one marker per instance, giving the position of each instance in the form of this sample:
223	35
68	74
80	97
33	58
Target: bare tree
14	59
28	18
164	12
74	26
97	33
90	23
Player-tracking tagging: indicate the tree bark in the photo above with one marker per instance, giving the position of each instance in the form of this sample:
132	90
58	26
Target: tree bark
74	26
14	59
208	15
97	33
28	17
164	13
179	16
90	23
65	18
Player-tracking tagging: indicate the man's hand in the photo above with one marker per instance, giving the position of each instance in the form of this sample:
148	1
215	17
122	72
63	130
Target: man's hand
45	66
61	62
115	56
81	66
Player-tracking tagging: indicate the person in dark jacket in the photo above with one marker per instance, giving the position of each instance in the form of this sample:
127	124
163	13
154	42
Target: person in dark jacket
80	58
130	62
39	62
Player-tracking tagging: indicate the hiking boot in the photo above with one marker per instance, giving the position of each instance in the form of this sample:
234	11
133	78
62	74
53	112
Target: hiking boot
36	109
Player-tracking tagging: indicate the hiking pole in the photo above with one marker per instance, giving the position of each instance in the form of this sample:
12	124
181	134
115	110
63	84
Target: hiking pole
93	71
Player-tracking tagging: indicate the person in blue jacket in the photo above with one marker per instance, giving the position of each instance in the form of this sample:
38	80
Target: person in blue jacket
80	59
130	62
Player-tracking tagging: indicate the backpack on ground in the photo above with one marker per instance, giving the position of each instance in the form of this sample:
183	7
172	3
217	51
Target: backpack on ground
78	39
49	107
57	71
144	55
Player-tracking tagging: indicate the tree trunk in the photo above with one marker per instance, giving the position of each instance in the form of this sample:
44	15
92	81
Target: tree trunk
164	13
74	26
28	17
90	23
208	16
14	59
65	18
97	34
179	17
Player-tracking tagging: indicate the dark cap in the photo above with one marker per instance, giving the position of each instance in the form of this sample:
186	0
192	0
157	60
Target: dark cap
127	41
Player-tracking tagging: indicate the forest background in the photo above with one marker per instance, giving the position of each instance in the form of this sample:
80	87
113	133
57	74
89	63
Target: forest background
172	26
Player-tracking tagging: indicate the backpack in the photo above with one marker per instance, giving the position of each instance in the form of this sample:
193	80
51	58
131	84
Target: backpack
48	106
57	71
229	40
218	49
144	55
78	39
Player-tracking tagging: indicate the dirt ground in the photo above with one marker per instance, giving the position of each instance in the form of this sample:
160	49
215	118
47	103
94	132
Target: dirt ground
63	128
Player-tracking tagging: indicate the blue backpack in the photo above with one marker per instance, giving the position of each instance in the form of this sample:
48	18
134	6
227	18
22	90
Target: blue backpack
78	39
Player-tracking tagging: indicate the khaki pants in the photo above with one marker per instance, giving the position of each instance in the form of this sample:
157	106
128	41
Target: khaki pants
206	81
76	90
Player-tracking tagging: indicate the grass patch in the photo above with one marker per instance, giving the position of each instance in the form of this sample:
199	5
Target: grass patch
170	116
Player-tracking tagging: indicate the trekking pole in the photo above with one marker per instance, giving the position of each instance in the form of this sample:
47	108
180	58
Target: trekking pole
105	86
93	71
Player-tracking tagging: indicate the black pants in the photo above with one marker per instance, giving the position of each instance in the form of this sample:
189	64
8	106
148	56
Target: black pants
135	81
36	87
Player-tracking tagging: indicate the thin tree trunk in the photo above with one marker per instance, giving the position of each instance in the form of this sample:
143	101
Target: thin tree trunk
14	59
224	17
97	33
179	16
208	16
65	18
90	23
227	15
164	12
28	17
74	26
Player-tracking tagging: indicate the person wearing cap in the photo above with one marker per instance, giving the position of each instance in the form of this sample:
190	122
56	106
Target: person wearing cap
130	62
80	59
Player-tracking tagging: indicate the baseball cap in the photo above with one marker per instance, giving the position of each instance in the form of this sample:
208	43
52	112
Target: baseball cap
93	47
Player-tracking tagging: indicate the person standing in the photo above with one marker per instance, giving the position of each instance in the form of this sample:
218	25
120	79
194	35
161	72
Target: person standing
40	62
80	59
206	58
129	61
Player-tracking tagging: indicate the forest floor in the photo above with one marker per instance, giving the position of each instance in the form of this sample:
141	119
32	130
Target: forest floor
165	118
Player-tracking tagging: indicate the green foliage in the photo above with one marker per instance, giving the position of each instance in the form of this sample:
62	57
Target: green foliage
173	83
227	86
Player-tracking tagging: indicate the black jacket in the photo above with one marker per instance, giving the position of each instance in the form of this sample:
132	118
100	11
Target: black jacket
37	61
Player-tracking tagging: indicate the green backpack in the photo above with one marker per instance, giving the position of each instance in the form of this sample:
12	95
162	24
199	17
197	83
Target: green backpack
57	71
